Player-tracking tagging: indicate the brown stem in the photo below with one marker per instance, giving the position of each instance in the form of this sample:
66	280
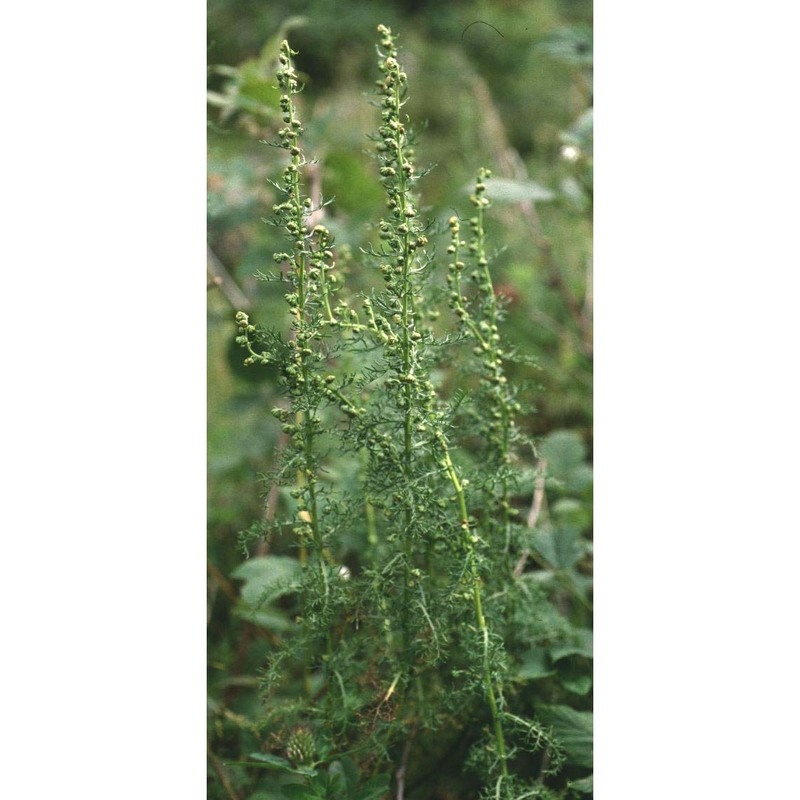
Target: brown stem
314	175
220	277
401	771
535	511
222	775
221	581
538	494
272	497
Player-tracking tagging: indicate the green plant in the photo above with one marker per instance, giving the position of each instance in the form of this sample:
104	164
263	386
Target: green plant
417	606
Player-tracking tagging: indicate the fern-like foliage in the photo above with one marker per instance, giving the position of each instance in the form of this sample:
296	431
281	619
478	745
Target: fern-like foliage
410	607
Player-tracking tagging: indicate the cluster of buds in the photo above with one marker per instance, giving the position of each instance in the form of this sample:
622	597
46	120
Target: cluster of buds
401	232
300	747
290	214
479	317
311	259
243	340
287	78
403	255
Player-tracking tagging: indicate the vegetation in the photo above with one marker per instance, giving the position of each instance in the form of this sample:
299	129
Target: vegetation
413	617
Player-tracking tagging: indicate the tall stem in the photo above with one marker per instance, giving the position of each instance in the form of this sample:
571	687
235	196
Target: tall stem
306	288
470	540
397	169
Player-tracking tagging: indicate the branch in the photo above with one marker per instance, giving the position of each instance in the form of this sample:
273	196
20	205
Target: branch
272	498
401	771
221	581
535	511
314	173
538	493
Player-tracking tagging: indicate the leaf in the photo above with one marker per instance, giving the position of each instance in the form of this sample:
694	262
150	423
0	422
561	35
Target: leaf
564	451
584	785
572	659
268	619
574	194
266	578
280	764
346	770
374	789
560	547
581	134
275	761
572	45
574	512
505	190
342	776
566	460
585	124
535	665
580	478
578	684
567	507
574	731
581	645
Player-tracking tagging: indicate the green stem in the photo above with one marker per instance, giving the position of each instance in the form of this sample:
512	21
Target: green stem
303	328
408	359
470	540
490	300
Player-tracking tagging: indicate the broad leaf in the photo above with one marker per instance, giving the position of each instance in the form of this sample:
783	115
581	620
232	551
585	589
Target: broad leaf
564	450
572	45
279	764
574	731
566	456
535	665
584	785
269	619
561	548
347	771
374	789
578	684
267	578
581	643
505	190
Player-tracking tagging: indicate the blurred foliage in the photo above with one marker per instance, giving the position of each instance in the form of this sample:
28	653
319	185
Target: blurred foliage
503	83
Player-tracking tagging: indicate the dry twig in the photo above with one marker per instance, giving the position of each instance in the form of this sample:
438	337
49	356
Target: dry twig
222	775
535	511
221	278
401	771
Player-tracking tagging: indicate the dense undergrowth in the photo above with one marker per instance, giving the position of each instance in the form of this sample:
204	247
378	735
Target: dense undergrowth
413	619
